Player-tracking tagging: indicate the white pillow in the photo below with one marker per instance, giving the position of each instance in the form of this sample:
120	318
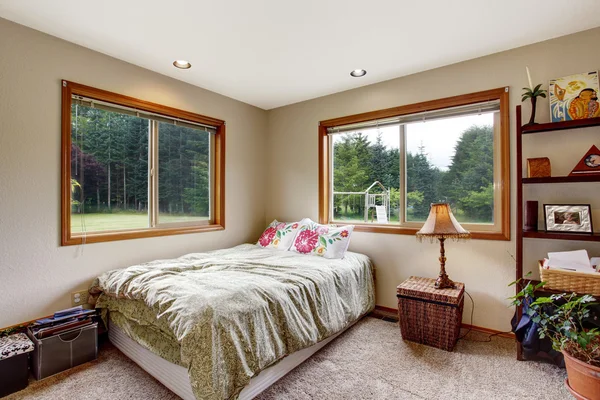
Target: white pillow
279	235
322	240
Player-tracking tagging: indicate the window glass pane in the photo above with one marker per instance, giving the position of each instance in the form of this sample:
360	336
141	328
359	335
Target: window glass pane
109	170
451	160
360	160
183	174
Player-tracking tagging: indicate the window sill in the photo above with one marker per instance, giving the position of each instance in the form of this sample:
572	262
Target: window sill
399	230
137	234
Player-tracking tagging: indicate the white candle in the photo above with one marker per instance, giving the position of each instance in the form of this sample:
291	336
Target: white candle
529	78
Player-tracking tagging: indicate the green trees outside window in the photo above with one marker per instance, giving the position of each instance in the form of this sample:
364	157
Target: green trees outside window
449	160
183	173
110	171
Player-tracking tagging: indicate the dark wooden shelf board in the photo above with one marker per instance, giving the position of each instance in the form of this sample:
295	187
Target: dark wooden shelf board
563	179
559	126
542	291
585	237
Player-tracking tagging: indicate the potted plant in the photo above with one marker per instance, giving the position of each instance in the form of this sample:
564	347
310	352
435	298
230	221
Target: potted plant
560	318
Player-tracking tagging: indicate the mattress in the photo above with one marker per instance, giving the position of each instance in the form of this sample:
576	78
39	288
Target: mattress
176	378
227	315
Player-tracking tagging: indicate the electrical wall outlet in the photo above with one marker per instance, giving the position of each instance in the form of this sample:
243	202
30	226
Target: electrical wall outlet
79	298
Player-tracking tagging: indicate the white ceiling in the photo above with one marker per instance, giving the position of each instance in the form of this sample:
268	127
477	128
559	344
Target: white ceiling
271	53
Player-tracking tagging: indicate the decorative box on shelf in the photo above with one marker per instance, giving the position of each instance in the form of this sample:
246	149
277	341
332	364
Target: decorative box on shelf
428	315
570	281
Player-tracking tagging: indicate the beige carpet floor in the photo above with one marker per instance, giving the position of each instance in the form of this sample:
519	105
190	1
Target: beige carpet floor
370	361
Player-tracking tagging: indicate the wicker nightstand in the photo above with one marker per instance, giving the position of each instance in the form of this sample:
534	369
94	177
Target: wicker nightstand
428	315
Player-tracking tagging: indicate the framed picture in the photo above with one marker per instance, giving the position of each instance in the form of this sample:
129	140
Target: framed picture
574	97
572	218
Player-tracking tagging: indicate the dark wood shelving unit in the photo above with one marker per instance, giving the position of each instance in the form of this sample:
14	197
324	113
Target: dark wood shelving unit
584	237
563	179
542	291
521	181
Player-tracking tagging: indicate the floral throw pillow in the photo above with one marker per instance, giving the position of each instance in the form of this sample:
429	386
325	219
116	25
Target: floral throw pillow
322	240
279	235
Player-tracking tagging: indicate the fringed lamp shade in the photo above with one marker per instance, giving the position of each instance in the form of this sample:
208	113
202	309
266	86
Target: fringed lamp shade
442	225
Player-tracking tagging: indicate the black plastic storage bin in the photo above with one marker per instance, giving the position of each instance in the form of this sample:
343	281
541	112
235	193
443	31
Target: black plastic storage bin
14	363
14	374
61	352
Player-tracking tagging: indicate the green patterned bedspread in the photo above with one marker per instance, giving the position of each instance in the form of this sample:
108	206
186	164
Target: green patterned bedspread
232	313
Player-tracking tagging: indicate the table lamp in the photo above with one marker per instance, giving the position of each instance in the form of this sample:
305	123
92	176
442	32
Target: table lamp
442	225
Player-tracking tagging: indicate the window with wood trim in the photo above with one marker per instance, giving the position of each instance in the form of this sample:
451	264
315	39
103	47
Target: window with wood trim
133	169
381	170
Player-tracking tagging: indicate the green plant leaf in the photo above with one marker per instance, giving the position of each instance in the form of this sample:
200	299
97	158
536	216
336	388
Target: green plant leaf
542	300
515	282
587	298
531	312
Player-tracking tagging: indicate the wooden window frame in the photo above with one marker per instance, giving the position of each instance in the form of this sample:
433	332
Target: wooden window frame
218	185
500	94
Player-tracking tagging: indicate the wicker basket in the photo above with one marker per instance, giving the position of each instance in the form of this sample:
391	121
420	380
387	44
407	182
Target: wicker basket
570	281
430	316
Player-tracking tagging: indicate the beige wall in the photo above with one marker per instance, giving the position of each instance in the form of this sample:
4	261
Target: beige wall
486	267
36	274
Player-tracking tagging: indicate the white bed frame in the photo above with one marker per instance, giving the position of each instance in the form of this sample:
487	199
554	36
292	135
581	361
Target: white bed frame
176	377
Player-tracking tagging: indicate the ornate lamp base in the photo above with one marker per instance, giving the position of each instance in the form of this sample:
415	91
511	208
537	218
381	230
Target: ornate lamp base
442	281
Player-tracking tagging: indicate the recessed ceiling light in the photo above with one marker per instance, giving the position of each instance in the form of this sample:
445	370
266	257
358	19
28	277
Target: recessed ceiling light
357	73
182	64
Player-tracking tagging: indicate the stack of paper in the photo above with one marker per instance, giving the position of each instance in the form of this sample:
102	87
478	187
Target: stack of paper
577	260
62	321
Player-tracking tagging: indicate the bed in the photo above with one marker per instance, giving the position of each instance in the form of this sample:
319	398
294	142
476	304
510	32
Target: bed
228	323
